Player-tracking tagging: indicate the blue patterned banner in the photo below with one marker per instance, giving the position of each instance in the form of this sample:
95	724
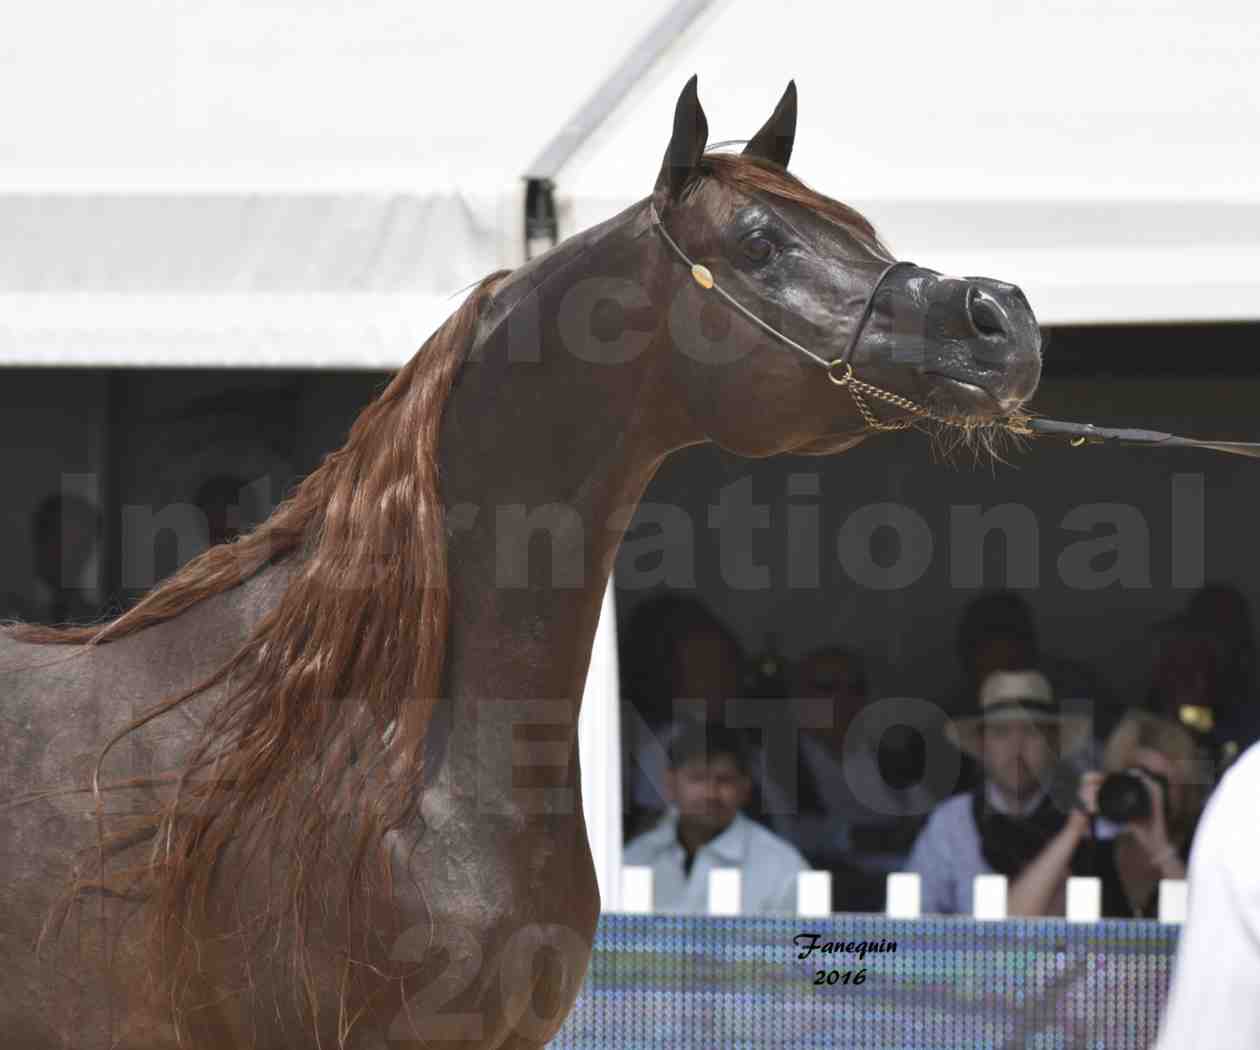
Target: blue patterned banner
864	982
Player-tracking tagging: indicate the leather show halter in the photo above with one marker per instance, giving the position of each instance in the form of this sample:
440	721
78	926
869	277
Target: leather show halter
704	278
1078	433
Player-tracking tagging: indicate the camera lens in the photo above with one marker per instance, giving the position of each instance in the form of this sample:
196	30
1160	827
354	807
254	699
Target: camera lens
1123	797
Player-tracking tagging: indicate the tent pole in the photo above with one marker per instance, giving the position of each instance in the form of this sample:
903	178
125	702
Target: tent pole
606	97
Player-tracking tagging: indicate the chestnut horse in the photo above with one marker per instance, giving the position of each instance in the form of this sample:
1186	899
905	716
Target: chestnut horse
321	786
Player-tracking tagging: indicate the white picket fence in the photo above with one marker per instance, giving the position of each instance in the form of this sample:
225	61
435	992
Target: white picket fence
813	895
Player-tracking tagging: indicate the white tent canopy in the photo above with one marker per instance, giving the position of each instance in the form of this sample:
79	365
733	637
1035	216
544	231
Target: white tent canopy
312	185
277	184
1105	157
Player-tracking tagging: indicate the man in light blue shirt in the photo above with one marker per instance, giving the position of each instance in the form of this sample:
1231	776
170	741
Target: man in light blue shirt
947	855
1017	733
707	784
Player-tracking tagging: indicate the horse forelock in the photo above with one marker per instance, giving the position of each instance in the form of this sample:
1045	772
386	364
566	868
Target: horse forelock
754	175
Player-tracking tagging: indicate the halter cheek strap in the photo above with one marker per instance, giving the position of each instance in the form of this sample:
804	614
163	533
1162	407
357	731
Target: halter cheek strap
704	278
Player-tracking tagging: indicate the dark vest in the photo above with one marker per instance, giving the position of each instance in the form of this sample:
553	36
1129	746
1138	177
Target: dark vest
1009	843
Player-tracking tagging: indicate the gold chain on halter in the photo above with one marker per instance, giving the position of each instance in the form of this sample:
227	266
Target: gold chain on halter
856	388
1016	422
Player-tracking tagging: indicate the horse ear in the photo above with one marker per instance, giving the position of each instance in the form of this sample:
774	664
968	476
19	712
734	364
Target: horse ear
691	133
774	141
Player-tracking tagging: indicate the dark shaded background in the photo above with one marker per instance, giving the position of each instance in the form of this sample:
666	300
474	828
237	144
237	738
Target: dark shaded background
151	440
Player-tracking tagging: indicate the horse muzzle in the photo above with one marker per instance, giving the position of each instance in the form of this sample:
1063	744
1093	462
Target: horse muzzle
973	340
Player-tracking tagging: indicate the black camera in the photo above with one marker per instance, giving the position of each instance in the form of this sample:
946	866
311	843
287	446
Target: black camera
1123	797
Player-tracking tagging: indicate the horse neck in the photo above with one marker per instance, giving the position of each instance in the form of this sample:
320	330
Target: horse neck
544	454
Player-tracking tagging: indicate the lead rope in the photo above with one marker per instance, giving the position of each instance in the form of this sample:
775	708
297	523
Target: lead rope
703	276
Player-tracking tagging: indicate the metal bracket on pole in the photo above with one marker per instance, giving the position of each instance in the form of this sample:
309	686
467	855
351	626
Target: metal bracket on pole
594	112
541	229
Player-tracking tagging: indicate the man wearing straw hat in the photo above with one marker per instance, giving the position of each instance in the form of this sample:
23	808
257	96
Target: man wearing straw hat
1017	733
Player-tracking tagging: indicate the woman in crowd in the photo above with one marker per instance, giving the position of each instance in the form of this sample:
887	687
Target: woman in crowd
1130	864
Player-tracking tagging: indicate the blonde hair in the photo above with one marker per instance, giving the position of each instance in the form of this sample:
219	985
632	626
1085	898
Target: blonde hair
1143	729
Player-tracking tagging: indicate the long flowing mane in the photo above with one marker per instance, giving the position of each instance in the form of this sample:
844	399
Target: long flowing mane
317	740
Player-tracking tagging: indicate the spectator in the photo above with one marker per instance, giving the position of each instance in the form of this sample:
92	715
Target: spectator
1184	673
1223	611
766	675
708	783
1224	614
859	790
1009	818
65	532
1190	684
1130	865
673	650
996	633
806	802
219	498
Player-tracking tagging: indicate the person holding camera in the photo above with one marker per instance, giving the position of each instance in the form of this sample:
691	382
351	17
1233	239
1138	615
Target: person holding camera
1017	732
1149	798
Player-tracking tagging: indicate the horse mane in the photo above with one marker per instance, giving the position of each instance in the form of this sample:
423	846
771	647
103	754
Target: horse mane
318	737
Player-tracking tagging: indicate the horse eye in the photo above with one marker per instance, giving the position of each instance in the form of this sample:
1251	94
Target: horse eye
758	248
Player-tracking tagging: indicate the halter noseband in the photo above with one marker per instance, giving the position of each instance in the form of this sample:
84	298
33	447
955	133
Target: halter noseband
844	377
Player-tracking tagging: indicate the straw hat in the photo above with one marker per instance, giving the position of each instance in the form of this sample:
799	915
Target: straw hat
1017	696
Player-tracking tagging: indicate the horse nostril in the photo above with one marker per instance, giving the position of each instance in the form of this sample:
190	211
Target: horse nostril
985	314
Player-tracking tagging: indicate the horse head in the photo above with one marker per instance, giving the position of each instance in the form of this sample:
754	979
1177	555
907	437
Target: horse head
792	297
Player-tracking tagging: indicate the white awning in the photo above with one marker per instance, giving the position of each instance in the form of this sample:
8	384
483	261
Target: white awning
280	184
297	185
1102	156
